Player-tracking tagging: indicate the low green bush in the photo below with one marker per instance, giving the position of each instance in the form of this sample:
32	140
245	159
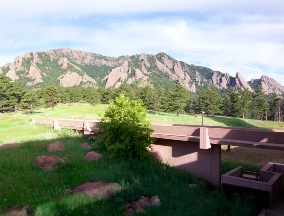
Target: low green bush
126	133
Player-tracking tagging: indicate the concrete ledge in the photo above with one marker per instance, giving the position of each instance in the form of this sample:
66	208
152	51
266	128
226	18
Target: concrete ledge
268	186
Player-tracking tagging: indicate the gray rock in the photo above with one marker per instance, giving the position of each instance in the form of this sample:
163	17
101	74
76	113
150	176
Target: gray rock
155	201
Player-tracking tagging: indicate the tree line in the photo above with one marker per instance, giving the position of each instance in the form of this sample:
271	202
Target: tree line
175	98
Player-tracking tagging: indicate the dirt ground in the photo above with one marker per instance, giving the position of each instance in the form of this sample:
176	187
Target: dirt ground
253	156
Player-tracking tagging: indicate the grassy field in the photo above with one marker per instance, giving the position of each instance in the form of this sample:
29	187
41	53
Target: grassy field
45	192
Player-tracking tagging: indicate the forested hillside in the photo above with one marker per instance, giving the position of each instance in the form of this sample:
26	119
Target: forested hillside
174	99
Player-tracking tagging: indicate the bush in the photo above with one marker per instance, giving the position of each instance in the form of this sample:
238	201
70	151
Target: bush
126	133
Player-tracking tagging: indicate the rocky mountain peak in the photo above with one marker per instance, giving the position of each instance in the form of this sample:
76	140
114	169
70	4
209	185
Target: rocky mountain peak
240	82
67	67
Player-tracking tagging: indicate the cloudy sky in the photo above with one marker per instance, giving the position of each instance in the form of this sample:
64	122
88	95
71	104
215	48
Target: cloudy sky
226	35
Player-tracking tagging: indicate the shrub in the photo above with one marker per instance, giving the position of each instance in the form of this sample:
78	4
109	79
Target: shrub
126	133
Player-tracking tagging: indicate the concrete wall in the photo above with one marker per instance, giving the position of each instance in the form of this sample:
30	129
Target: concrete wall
204	163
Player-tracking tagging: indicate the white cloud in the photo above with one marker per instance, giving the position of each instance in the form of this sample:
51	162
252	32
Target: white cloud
230	36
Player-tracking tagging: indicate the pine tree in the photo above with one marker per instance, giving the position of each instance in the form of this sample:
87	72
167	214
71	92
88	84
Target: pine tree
51	95
244	102
209	101
10	94
275	108
259	104
29	100
176	99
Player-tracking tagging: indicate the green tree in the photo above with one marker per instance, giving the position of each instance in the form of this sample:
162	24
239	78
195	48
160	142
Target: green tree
244	102
176	99
149	97
91	95
230	103
275	108
51	95
259	104
29	100
126	133
209	101
10	94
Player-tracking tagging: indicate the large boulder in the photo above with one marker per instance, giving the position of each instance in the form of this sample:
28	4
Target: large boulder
47	163
98	189
93	156
57	146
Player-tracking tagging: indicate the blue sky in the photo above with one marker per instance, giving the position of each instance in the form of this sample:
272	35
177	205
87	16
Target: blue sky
229	36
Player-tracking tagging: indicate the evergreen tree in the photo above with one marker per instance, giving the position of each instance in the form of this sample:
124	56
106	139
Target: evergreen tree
29	100
149	97
176	99
259	105
230	103
91	95
51	95
244	102
107	94
209	101
275	108
10	94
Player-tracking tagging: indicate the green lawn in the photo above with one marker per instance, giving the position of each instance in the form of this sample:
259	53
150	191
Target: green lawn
45	192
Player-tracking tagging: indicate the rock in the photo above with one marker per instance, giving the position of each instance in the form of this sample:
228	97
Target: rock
47	163
240	82
57	146
97	189
140	210
129	212
192	185
155	201
86	145
9	145
18	210
142	202
128	205
93	156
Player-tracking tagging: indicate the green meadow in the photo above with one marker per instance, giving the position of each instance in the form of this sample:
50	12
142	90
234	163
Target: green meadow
21	183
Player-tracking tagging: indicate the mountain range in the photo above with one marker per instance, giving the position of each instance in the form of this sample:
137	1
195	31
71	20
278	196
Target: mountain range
67	67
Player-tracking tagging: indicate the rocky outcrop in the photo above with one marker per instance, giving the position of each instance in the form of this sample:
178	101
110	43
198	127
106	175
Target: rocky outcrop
268	85
240	83
73	79
117	75
71	67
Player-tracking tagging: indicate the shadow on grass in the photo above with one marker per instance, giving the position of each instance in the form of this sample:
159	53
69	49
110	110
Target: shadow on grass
232	122
152	112
46	192
30	113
